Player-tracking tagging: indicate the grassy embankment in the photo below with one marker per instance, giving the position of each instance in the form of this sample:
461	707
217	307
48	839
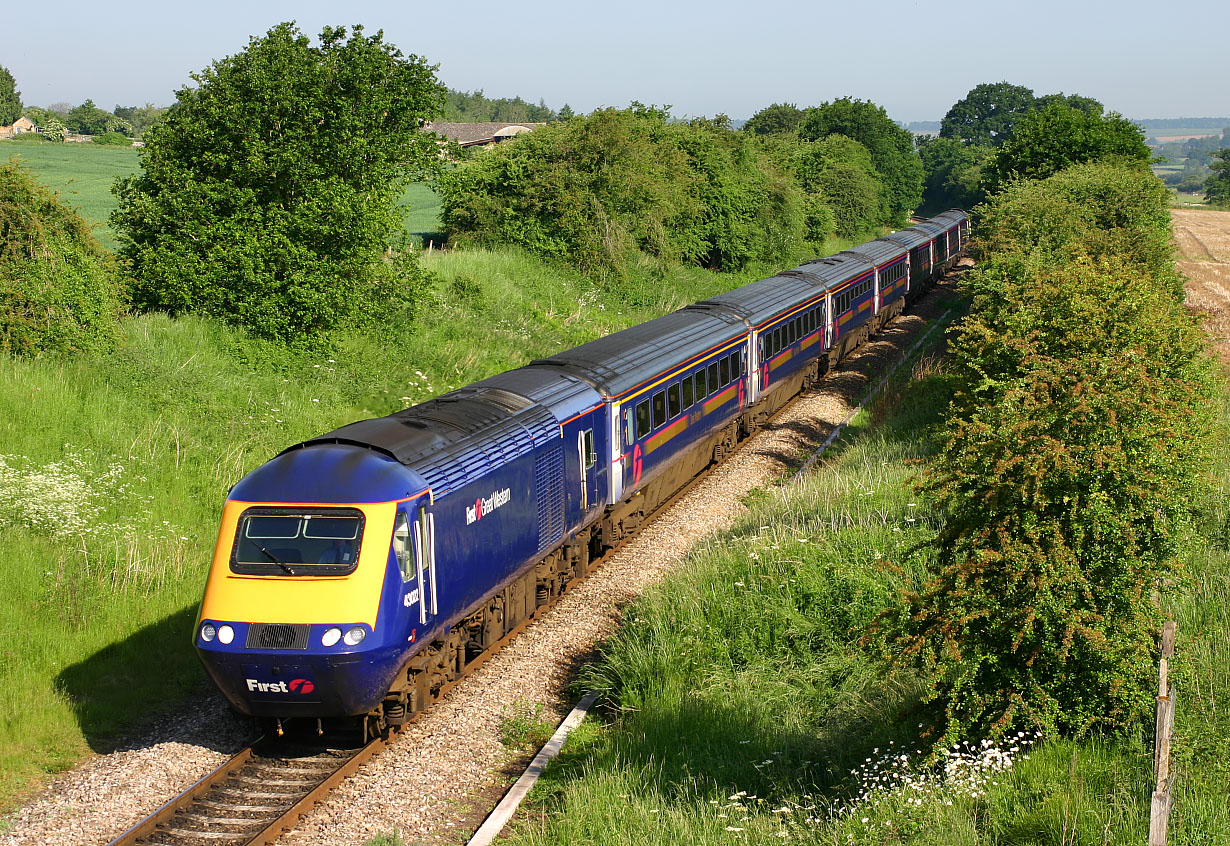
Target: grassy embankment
748	710
114	468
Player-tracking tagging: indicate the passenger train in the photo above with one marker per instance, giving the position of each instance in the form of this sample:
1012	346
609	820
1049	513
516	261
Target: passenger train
359	572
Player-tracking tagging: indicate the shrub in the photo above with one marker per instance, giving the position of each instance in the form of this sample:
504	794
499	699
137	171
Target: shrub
1072	445
58	289
113	139
600	190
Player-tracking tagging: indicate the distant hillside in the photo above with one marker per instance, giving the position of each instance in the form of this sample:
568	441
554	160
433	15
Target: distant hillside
1155	125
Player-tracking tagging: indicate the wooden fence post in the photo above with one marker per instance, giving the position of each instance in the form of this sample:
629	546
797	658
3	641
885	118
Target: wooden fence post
1159	812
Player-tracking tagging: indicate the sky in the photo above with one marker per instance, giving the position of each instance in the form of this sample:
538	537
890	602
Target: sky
700	57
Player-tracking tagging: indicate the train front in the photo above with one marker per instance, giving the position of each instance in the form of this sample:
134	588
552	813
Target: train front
304	613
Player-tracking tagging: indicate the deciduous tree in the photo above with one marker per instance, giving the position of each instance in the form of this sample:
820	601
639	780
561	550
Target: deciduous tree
987	114
891	147
1217	187
775	119
1059	136
267	196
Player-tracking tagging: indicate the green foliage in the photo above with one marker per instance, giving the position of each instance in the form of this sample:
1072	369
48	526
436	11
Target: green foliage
986	116
268	192
140	118
113	139
600	190
1085	104
1059	136
1073	445
892	149
475	107
776	119
58	290
10	98
1217	187
953	174
839	176
88	119
53	129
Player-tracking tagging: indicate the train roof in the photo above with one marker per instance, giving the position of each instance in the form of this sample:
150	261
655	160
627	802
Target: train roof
333	473
764	299
950	218
835	271
623	361
878	252
453	439
909	238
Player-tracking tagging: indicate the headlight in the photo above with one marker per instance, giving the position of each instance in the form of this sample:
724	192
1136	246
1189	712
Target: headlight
355	635
208	632
331	636
225	634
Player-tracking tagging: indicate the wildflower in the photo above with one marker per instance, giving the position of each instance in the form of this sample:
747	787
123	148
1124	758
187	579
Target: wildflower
733	828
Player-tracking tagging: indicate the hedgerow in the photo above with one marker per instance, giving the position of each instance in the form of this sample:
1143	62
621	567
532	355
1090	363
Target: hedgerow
58	287
1072	449
601	190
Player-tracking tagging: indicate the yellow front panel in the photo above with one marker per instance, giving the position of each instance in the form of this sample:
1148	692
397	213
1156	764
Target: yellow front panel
300	599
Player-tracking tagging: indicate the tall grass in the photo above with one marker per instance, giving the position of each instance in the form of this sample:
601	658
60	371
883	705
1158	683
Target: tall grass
742	704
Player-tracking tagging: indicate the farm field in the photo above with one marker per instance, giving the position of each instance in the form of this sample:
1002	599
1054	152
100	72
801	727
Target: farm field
84	173
1203	239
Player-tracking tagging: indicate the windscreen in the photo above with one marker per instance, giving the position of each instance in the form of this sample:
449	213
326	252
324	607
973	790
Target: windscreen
288	542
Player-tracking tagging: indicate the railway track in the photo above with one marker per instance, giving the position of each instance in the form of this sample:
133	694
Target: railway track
258	794
264	790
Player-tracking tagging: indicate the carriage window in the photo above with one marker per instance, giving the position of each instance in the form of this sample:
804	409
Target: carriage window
642	419
659	408
713	378
672	400
701	393
736	364
725	365
687	392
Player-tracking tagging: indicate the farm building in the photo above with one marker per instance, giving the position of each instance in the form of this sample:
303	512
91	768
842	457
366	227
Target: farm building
18	127
480	134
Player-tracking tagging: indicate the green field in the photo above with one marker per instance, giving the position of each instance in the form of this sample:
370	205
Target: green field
84	173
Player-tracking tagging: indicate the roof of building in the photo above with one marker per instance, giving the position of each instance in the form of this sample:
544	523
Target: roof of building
470	134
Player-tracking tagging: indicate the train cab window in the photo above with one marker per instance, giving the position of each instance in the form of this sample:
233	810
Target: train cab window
401	547
642	419
725	370
688	397
713	378
701	392
292	542
659	408
672	401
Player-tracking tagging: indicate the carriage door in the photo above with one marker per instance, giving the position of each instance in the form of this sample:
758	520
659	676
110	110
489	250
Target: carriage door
423	532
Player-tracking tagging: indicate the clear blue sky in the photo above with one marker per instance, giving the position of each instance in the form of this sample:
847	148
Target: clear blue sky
701	57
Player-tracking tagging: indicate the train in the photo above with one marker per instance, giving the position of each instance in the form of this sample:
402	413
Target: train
359	573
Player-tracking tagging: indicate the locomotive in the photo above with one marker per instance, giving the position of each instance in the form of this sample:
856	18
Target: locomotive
358	573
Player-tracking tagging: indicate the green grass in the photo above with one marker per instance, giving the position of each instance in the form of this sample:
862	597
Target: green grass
83	175
743	706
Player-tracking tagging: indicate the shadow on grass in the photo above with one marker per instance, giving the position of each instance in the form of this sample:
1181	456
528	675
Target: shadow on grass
124	687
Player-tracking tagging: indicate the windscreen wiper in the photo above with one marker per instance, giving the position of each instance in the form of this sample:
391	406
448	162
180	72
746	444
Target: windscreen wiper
275	560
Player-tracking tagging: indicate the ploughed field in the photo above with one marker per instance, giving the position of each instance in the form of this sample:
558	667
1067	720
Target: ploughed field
1203	241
